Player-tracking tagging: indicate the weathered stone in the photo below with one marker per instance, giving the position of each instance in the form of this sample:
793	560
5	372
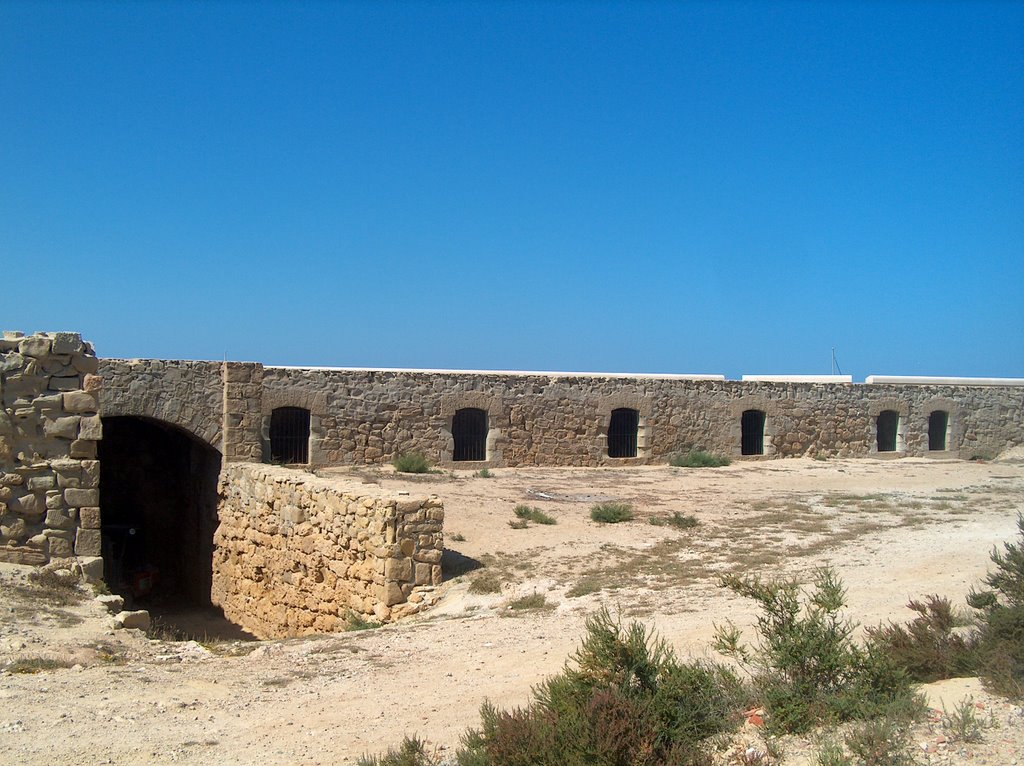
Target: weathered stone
138	620
398	569
91	568
65	428
91	428
67	343
21	554
89	518
59	520
77	498
83	448
87	542
113	604
35	346
41	483
79	401
65	383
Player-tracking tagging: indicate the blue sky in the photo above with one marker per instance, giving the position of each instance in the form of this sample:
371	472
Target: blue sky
650	187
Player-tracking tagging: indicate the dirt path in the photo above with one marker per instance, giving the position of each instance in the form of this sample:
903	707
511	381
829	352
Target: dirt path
893	529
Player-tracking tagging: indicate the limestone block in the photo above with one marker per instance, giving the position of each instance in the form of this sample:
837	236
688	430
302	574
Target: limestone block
13	528
55	500
47	404
35	346
41	483
58	519
398	569
60	547
84	448
90	473
67	343
30	507
89	518
11	362
91	568
92	383
11	479
87	542
79	401
78	498
423	576
84	363
138	620
110	602
393	594
65	383
91	428
22	554
65	428
5	493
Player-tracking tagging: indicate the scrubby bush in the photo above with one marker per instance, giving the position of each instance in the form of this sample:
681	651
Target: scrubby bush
677	520
535	515
699	459
611	513
805	667
1000	635
930	647
412	462
412	752
624	698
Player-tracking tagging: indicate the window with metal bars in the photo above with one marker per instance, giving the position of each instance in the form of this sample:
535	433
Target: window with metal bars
469	429
886	429
622	432
289	435
752	440
938	424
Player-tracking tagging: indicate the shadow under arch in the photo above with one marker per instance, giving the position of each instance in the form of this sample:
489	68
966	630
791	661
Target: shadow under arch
158	509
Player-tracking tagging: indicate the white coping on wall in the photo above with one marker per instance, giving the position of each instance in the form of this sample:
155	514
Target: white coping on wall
798	378
552	374
919	380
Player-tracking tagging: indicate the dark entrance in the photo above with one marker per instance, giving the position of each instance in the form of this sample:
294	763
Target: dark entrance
469	429
938	423
752	441
289	435
887	427
622	433
158	500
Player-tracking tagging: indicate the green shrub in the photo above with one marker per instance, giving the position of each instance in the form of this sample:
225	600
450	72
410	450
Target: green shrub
535	515
411	462
484	473
58	587
805	667
883	741
357	621
963	724
533	601
698	459
412	752
518	523
677	520
623	699
929	647
611	513
584	587
488	582
1000	634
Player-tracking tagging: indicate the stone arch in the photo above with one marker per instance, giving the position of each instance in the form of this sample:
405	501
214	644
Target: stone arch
496	419
626	401
752	403
200	424
313	402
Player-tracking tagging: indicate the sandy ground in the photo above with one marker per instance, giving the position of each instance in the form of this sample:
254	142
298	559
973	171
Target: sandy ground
894	529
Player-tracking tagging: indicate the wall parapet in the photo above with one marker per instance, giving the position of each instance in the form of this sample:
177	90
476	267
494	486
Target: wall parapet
296	554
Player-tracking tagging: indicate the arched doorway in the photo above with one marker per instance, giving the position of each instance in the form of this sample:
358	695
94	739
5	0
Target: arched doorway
158	506
938	426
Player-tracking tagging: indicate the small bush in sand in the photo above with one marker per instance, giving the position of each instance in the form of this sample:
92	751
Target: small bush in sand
611	513
536	515
698	459
412	462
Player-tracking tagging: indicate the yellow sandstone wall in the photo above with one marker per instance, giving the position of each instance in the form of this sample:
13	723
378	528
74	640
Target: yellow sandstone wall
297	554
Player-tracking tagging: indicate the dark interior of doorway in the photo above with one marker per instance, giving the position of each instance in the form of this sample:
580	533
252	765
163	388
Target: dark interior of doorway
158	504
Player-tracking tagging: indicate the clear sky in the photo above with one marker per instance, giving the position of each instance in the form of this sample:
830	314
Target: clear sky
647	187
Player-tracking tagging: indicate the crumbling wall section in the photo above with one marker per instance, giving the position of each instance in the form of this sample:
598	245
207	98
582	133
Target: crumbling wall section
49	427
296	554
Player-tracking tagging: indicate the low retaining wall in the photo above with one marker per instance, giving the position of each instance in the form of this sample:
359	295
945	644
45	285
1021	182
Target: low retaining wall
296	554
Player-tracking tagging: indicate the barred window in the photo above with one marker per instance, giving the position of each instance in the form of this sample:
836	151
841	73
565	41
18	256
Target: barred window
289	435
622	433
469	429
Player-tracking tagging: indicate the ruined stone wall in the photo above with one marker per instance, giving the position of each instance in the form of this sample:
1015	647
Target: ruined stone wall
49	427
296	554
368	416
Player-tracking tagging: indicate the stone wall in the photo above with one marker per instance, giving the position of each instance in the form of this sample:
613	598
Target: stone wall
296	554
49	427
369	416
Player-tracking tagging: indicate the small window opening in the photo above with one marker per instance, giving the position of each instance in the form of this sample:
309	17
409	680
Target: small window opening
938	424
622	433
469	428
289	435
887	427
752	442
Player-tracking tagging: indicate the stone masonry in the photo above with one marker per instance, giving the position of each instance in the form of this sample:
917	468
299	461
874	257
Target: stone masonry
49	427
296	554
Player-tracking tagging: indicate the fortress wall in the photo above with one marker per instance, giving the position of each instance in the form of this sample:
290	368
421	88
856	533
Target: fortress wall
49	427
369	416
296	554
